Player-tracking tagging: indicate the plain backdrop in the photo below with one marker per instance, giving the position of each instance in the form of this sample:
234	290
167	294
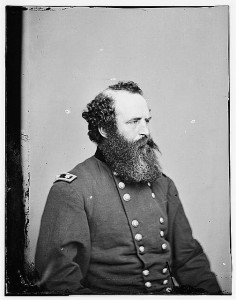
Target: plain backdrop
178	56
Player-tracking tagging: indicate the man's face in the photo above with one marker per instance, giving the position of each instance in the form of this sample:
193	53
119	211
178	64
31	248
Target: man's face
128	148
132	115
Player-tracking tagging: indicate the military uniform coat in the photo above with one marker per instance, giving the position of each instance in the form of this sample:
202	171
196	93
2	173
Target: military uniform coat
100	234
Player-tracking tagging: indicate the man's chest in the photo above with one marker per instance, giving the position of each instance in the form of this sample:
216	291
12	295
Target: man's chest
121	213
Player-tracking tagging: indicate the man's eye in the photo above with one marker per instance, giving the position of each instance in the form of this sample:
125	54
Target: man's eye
133	121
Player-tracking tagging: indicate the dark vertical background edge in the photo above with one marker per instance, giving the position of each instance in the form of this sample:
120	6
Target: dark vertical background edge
15	217
18	274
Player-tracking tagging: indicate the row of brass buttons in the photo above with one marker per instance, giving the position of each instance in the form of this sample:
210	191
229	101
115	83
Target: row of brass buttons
161	219
148	284
138	236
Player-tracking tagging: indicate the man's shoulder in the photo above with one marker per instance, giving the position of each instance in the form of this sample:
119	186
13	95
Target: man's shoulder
86	166
83	171
164	180
79	178
167	179
167	186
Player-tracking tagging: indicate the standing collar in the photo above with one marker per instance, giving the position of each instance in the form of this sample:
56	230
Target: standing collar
99	155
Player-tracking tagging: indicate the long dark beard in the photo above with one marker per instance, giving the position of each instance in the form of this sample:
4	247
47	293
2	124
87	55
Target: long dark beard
133	161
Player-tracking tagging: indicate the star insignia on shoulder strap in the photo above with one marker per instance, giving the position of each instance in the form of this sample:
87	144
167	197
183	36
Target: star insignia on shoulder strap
65	177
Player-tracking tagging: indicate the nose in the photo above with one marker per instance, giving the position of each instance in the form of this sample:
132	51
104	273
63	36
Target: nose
144	130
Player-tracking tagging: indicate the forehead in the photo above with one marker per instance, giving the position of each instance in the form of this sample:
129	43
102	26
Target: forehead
128	105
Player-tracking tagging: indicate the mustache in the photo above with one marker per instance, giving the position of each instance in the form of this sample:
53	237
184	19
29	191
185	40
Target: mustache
147	140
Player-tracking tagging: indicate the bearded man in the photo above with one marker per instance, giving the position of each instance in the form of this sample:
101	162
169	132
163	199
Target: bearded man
115	224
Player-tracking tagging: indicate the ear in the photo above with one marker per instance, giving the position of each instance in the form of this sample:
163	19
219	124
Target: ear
102	132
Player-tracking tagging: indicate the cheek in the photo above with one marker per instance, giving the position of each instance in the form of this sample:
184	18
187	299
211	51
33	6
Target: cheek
128	132
131	134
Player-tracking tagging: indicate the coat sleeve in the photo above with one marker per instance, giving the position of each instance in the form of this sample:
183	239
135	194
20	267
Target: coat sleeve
190	264
63	248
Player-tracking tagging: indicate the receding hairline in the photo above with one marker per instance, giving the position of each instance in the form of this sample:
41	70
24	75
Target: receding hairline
113	93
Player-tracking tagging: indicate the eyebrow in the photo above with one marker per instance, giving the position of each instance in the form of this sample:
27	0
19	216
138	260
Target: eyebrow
137	119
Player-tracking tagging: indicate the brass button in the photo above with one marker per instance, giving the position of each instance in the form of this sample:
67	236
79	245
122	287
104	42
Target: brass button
126	197
135	223
161	233
164	246
149	184
138	237
121	185
164	270
148	284
165	281
153	195
145	272
141	249
161	220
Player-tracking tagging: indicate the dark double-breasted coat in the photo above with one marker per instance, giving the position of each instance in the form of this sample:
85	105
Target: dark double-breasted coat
100	234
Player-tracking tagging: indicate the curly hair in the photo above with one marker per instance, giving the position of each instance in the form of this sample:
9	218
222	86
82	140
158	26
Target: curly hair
100	112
